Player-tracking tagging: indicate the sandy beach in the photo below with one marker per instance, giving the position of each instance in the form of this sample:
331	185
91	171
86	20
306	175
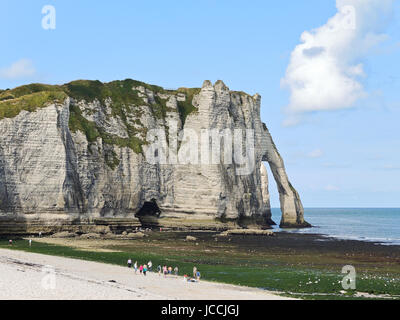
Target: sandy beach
27	275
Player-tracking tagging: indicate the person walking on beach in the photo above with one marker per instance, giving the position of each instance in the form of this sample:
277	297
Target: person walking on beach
10	242
144	269
176	270
150	264
169	270
141	269
30	242
198	275
159	270
194	272
129	263
135	267
40	234
165	271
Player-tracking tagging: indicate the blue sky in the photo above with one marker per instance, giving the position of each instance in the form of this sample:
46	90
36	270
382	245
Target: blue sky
347	156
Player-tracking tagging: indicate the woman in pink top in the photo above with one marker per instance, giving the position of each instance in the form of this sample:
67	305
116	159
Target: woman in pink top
141	268
165	271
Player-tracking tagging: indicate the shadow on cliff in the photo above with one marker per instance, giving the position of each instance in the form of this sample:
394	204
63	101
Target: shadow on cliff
10	222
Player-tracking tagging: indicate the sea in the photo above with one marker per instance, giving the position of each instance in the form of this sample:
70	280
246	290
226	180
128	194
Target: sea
365	224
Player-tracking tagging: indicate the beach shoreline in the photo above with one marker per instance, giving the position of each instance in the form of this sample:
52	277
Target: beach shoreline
24	277
306	266
381	225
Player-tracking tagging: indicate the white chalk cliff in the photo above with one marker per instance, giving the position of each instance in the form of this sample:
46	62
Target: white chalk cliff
79	159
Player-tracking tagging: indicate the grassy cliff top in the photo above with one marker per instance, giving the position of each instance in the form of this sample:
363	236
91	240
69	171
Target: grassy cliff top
121	92
33	96
124	98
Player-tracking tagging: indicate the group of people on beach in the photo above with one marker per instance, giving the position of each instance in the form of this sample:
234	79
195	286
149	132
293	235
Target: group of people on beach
165	270
143	268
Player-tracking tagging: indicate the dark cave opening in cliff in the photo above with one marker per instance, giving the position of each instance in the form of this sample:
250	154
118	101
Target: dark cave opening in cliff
149	208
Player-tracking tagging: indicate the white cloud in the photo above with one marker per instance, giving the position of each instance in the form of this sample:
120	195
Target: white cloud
336	165
22	68
318	153
292	120
331	188
326	69
391	167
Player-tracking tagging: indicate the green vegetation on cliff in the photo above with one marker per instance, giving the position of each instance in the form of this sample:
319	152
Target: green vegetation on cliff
27	90
77	122
123	99
186	107
11	106
122	95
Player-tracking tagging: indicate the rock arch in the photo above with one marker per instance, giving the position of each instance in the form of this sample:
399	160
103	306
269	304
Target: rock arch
291	206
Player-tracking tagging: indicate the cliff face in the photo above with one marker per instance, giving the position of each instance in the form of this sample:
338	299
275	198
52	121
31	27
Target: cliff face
81	153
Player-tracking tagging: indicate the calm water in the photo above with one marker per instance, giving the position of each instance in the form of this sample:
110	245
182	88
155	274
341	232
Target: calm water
381	225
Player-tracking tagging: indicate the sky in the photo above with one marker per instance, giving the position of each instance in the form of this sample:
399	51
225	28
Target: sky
328	72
